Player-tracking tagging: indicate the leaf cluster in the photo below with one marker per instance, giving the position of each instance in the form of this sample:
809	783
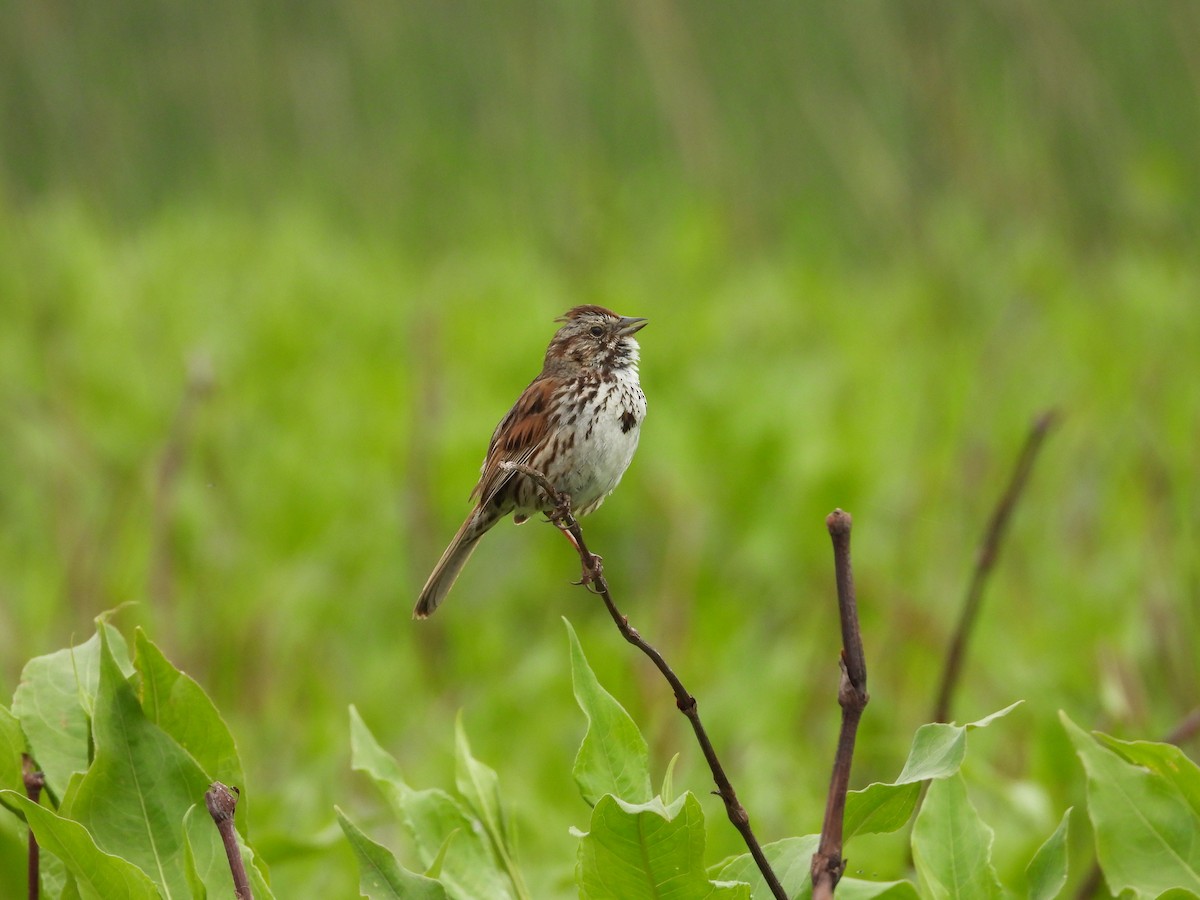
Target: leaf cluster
128	745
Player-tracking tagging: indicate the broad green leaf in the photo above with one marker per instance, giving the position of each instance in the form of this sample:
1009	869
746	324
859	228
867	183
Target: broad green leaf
368	757
613	758
879	808
1146	831
952	847
1166	760
53	703
134	796
12	745
791	861
56	881
180	707
937	751
1047	871
479	786
470	868
380	877
647	850
98	875
210	864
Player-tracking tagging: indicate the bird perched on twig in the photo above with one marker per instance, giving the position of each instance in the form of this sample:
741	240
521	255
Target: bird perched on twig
577	423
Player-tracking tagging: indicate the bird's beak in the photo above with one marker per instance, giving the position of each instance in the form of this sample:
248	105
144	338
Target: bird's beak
630	325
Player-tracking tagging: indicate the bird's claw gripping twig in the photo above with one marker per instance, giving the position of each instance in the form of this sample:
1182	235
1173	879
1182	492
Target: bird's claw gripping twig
591	573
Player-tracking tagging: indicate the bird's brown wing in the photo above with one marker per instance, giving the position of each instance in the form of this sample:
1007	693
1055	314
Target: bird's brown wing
520	434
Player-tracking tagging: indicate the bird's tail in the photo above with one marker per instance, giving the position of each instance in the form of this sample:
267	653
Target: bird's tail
446	571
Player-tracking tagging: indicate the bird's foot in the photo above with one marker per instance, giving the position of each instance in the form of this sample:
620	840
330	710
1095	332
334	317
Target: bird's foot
592	573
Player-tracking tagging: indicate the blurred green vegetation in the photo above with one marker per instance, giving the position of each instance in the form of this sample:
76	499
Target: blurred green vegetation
270	274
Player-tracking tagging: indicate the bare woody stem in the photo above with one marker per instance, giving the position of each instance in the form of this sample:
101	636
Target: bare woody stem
989	550
827	863
593	576
222	803
34	782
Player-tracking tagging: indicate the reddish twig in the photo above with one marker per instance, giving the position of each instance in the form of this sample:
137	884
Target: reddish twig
988	552
34	782
222	803
827	863
593	578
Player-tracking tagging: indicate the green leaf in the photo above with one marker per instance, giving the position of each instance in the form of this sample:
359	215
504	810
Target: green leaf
53	703
613	758
180	707
647	850
879	808
134	796
1145	827
380	877
937	751
668	784
1047	871
434	869
99	875
12	745
791	861
1166	760
470	868
192	867
56	881
479	786
952	847
368	757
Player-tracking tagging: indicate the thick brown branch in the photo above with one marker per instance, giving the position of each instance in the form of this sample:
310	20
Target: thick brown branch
827	863
221	803
34	782
989	550
593	577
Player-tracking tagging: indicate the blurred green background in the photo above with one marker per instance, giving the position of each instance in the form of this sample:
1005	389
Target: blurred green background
270	273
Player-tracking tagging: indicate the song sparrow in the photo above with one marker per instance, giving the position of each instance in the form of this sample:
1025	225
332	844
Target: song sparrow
577	423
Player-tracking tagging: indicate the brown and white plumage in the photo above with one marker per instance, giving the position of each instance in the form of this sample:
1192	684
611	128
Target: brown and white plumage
577	422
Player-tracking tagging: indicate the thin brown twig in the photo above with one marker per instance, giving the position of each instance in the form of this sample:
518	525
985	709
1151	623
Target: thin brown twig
34	782
988	553
221	803
593	577
827	863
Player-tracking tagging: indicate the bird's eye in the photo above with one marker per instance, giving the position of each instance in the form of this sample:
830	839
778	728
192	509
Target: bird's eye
596	331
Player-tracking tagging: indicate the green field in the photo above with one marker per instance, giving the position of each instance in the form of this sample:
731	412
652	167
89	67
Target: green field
269	277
